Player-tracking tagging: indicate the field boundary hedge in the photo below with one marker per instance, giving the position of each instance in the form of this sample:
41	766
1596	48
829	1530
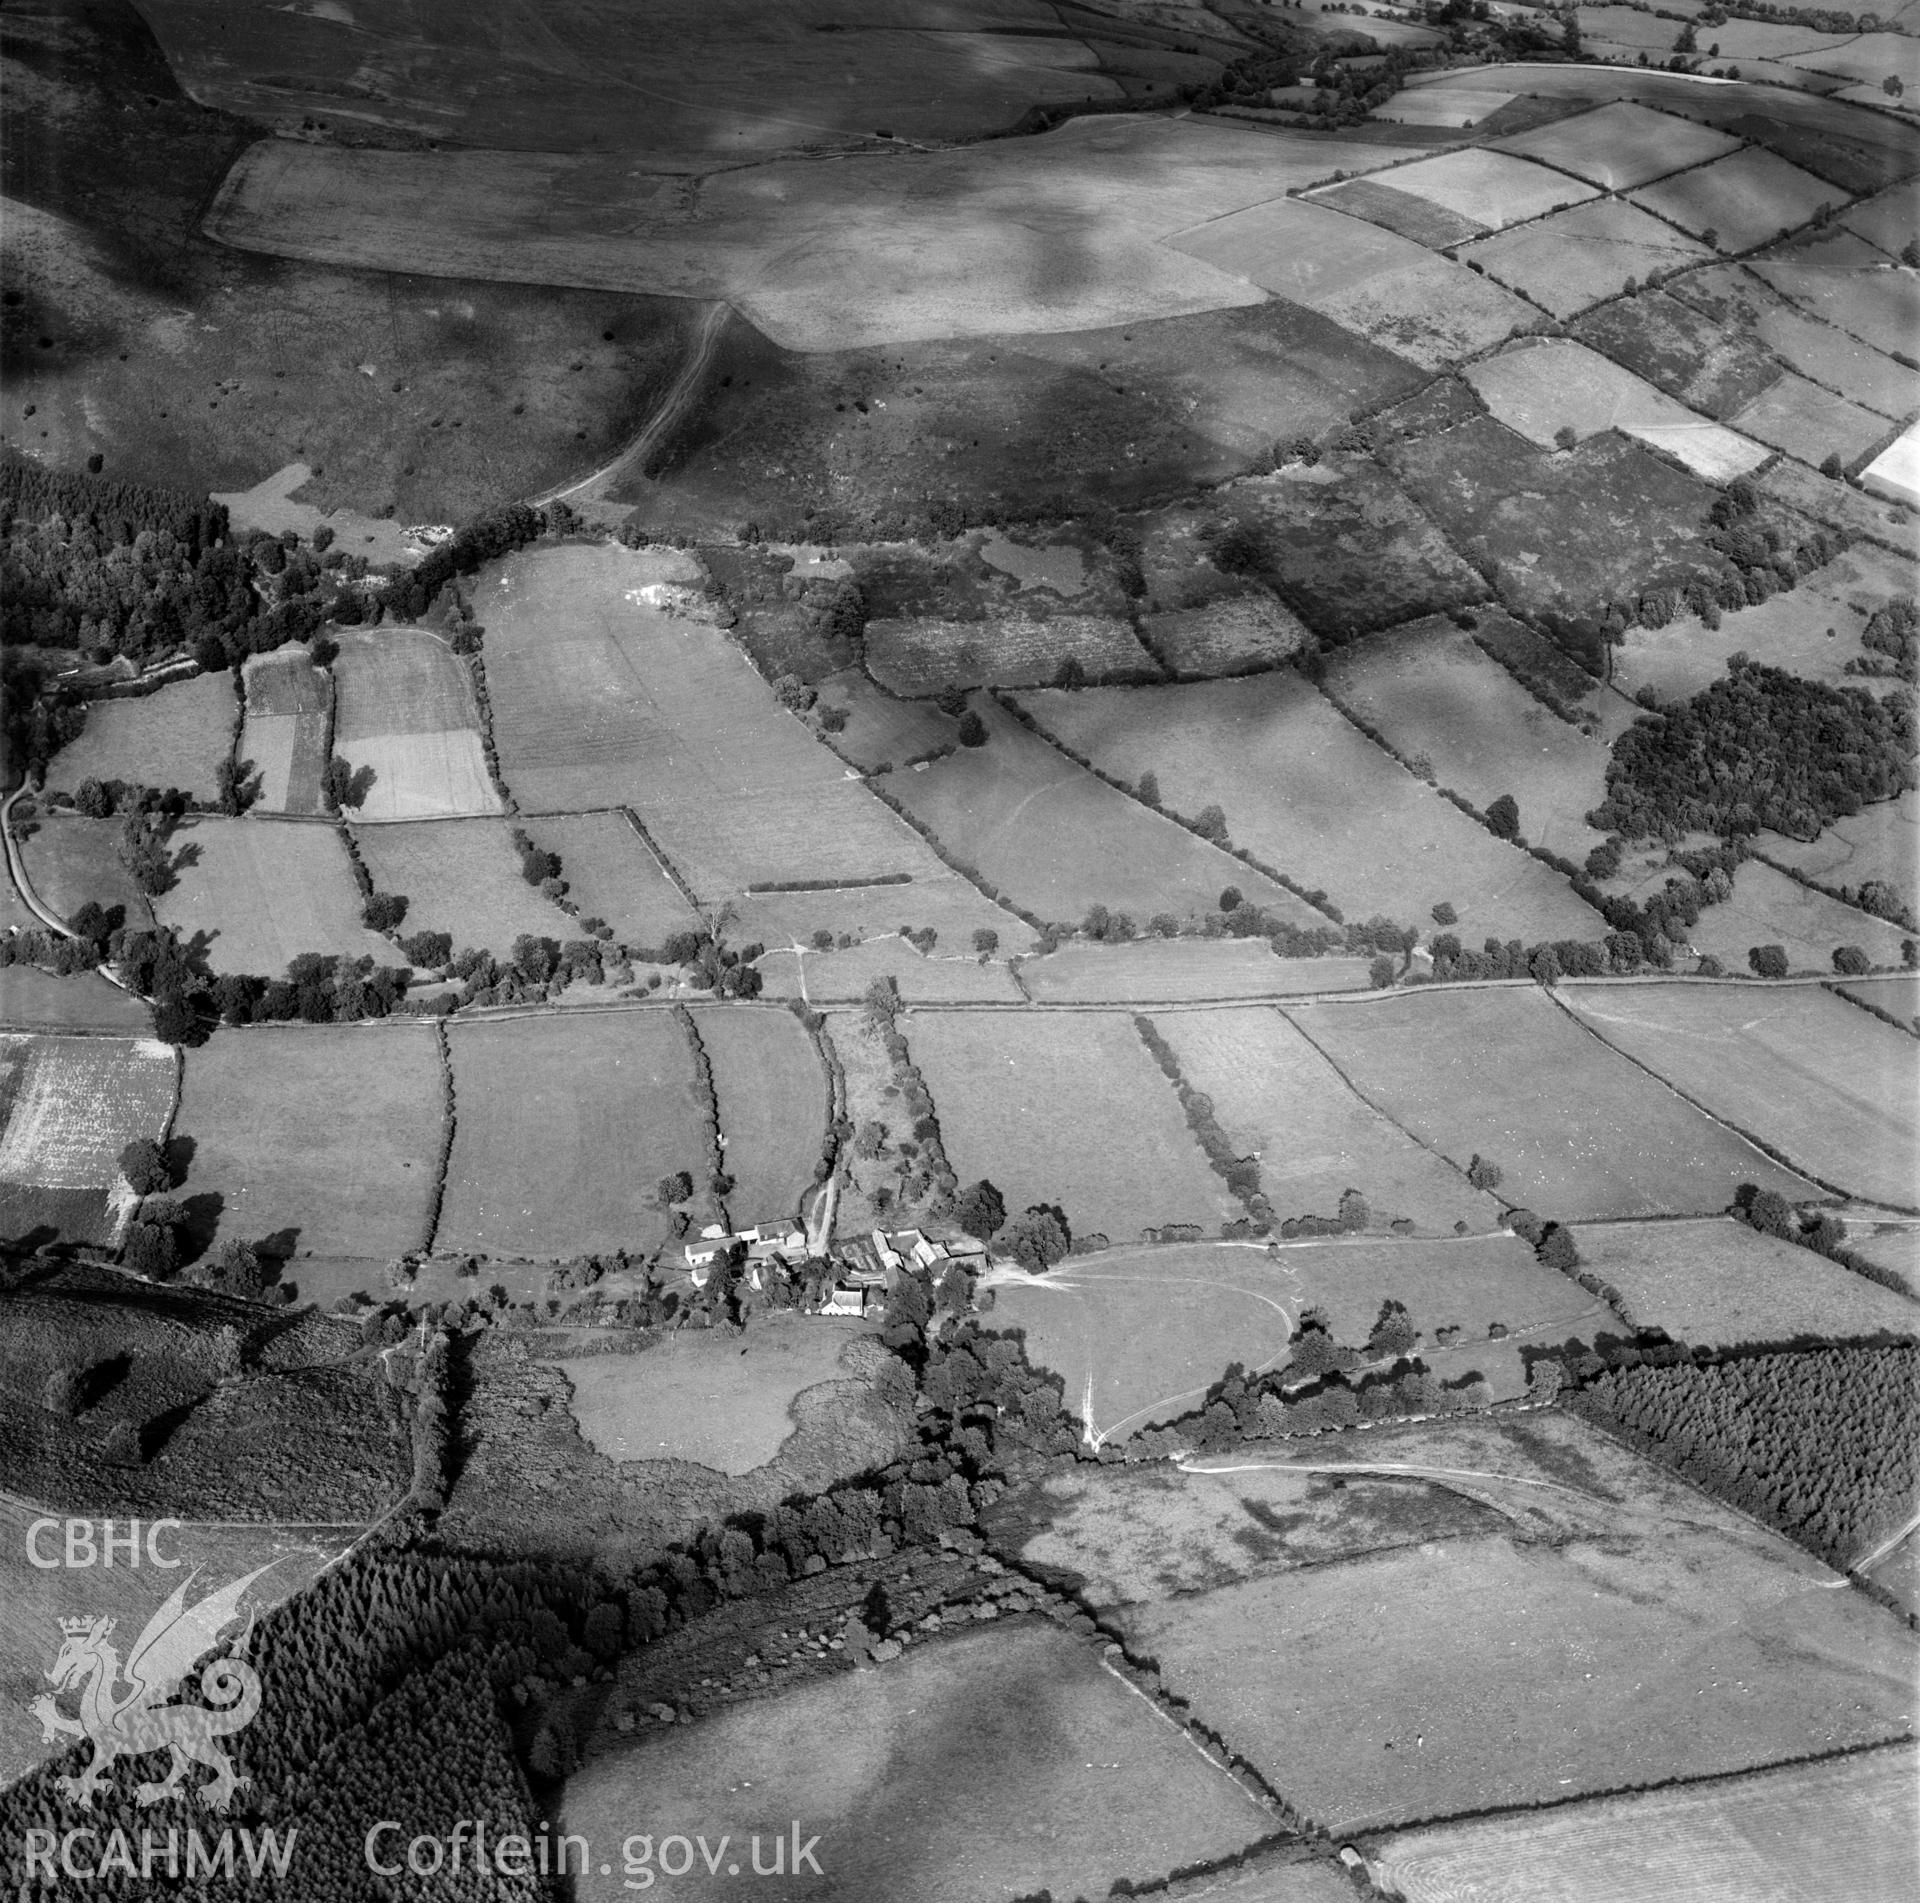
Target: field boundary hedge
830	885
665	864
838	1128
449	1115
1241	1174
719	1184
1868	1006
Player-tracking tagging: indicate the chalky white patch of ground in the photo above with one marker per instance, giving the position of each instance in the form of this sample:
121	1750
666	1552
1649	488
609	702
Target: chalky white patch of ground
1540	388
1058	232
1895	472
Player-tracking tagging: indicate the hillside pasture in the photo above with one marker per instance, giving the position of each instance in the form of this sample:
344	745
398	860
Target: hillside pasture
1579	1132
461	876
1849	284
1056	840
1744	199
1823	1083
1768	908
68	1106
1380	203
70	860
34	1000
1843	1828
1540	388
406	708
772	1091
1242	634
1435	695
1580	257
1278	1099
1390	289
1881	841
611	875
1305	791
285	731
1492	189
882	729
1016	1096
702	1395
995	1723
1674	347
925	657
1812	423
1182	970
562	1129
175	737
259	892
1718	1284
1888	220
323	1137
1622	145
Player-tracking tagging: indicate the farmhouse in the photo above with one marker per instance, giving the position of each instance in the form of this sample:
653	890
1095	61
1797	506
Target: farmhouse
846	1300
770	1248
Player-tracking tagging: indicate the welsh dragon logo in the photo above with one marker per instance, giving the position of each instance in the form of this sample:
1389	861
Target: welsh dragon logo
138	1720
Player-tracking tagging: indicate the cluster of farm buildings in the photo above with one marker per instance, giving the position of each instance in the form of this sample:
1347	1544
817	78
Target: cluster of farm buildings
864	1267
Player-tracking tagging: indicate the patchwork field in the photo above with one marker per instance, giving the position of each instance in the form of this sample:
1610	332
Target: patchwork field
461	876
1825	1084
1491	188
611	875
285	731
1888	220
70	860
1842	1828
68	1107
1243	634
1621	145
1182	970
1305	791
1705	364
1579	1132
704	1396
943	903
1578	258
927	657
33	1000
881	730
325	1138
1540	388
562	1128
1014	1093
1717	1283
1742	200
600	698
772	1092
176	737
1056	840
1850	284
1768	908
258	893
406	709
1437	696
844	976
990	1724
1278	1099
1382	204
1812	423
1392	290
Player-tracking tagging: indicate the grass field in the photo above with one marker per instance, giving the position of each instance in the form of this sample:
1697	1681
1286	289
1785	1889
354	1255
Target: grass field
839	977
563	1126
1576	259
70	860
1182	970
1768	908
1878	842
1812	423
1493	189
1400	212
285	734
1434	694
1847	282
987	1725
1579	1132
1242	634
1743	306
773	1107
1720	1284
176	737
1827	1085
942	902
1647	1648
1898	997
881	729
325	1137
257	893
1278	1099
1676	348
703	1395
1887	220
1838	1829
927	657
1622	145
1015	1095
1303	790
38	1598
1539	388
599	698
70	1105
1743	199
406	709
33	1000
1390	289
1056	840
611	875
461	876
